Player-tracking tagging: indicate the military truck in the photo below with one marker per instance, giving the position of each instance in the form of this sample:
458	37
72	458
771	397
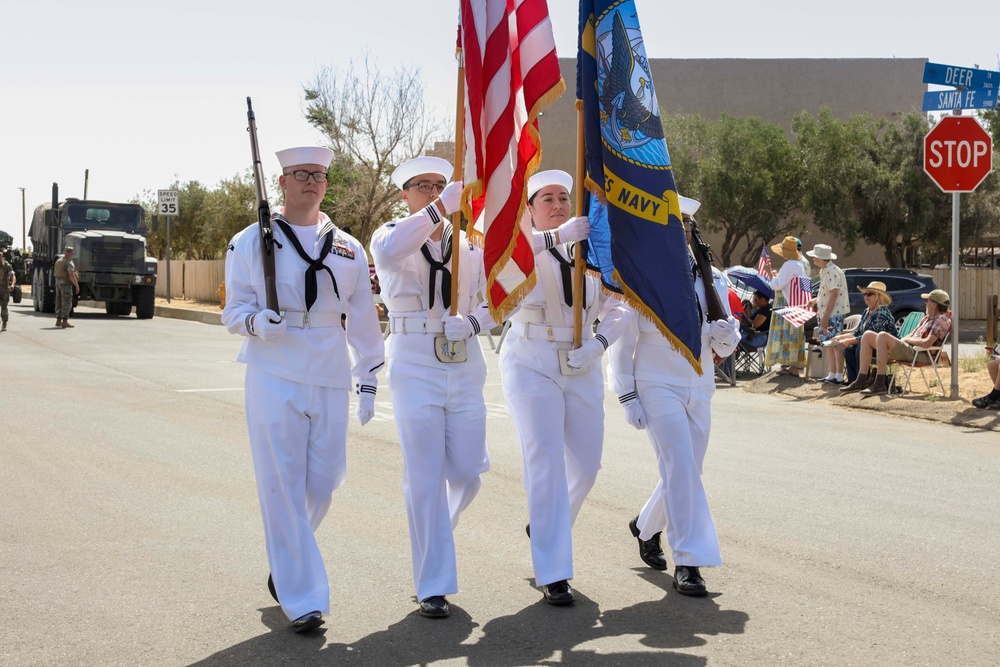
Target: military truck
109	247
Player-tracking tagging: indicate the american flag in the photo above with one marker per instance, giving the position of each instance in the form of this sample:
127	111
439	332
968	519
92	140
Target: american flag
796	315
800	291
764	265
511	74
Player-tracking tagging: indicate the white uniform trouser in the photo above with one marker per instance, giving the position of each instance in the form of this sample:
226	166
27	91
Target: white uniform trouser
441	419
298	435
560	423
678	421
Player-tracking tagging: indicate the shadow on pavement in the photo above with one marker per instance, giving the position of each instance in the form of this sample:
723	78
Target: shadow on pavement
539	634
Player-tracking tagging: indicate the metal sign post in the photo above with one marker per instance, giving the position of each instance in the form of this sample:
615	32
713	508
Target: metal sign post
958	155
168	207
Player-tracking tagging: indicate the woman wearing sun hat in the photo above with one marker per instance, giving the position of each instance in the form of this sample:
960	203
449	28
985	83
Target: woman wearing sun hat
786	343
876	317
832	306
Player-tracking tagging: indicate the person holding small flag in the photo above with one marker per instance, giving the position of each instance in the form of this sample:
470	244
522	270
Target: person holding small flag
786	342
437	401
663	394
558	414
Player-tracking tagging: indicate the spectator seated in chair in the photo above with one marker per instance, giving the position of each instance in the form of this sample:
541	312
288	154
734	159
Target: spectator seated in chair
877	317
886	347
755	324
991	401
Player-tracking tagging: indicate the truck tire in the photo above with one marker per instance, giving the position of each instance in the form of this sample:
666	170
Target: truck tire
145	301
36	290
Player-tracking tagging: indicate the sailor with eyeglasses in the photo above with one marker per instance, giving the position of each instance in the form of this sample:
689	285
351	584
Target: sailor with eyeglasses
301	365
438	404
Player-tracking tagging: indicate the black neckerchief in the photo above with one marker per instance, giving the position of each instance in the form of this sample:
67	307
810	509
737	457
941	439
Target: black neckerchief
566	268
441	266
314	264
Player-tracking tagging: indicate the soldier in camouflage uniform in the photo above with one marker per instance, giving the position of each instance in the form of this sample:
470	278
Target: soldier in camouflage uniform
66	282
7	282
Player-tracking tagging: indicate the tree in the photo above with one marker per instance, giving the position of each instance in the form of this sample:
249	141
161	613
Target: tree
864	180
744	171
374	121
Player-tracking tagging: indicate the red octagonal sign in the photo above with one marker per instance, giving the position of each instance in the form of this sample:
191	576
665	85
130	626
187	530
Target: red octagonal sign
958	154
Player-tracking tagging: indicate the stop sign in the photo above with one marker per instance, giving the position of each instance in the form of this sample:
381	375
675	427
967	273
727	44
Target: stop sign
958	154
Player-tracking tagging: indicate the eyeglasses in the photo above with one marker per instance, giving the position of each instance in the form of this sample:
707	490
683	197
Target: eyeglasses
302	175
426	187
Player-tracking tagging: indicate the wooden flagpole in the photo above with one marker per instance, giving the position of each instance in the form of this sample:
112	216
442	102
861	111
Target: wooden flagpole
456	220
579	263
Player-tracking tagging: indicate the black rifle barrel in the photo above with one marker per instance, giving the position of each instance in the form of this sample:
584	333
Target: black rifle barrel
703	257
263	217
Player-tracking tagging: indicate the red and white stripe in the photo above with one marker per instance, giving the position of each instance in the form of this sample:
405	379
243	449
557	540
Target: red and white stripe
799	291
764	263
796	315
511	73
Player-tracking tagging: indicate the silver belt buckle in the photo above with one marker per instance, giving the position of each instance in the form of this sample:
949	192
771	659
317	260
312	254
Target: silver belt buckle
548	330
424	325
305	320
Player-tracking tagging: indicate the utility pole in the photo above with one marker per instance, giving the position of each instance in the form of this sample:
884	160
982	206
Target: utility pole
86	179
24	236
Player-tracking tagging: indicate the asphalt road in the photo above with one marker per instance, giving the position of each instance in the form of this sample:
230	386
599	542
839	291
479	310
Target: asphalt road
130	533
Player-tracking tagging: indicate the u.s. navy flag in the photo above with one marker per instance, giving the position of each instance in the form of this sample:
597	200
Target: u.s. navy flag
628	166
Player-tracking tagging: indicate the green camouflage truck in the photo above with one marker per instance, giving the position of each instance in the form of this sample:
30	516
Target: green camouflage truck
109	246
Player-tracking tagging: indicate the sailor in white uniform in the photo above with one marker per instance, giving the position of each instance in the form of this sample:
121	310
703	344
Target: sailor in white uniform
299	374
438	405
662	393
559	418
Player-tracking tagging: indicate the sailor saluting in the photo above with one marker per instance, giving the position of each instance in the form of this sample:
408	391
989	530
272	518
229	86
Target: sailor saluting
299	373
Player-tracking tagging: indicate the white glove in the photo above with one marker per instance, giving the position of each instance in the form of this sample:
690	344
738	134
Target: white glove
634	414
456	327
725	336
366	408
587	354
451	197
574	229
267	325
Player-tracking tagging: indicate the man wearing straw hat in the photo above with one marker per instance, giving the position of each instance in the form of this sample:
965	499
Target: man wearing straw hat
299	373
786	342
437	402
832	306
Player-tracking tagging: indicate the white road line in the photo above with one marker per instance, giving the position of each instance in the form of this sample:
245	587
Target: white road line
198	391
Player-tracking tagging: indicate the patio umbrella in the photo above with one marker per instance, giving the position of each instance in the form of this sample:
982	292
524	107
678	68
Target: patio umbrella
751	279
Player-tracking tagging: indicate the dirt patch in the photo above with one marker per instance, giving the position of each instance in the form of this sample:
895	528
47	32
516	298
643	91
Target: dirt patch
189	304
917	404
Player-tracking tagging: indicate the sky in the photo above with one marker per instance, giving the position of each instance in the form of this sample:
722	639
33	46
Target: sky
145	94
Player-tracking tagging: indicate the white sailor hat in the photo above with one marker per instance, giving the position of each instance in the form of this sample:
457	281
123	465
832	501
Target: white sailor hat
421	165
551	177
291	157
688	206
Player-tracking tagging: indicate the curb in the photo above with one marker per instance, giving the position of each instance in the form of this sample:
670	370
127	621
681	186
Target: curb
203	316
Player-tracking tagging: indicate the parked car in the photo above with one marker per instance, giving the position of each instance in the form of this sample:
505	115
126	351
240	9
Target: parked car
904	286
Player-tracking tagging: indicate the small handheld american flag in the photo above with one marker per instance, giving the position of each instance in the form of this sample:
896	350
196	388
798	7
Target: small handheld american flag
764	264
796	315
800	291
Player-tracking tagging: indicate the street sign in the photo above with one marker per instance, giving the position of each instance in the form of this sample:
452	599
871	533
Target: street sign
167	202
949	100
958	154
967	77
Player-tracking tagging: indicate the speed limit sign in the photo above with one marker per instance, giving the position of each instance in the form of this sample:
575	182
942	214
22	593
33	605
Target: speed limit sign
167	202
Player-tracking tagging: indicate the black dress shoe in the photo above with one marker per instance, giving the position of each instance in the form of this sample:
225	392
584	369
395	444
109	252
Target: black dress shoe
688	581
307	622
558	592
649	550
270	588
527	529
435	607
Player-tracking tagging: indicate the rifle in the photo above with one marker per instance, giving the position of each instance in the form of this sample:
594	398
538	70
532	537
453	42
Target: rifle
703	257
263	218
